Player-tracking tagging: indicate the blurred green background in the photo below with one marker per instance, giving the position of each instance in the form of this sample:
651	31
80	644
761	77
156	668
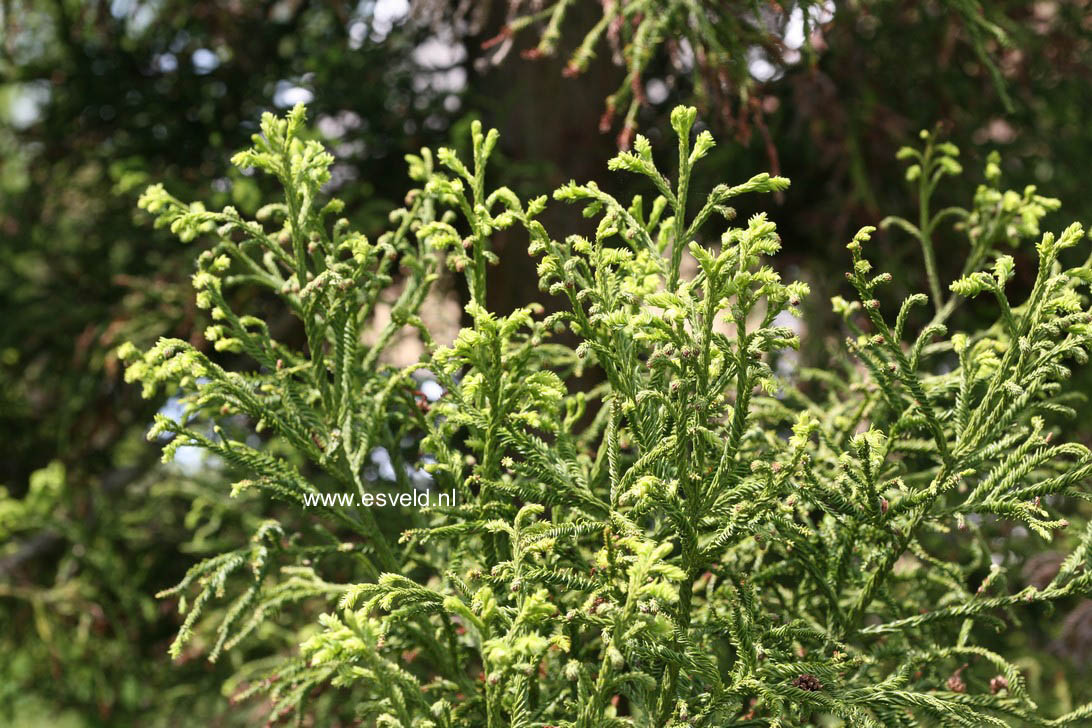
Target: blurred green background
98	99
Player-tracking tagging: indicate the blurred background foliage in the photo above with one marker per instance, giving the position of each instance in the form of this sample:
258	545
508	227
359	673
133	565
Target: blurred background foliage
98	98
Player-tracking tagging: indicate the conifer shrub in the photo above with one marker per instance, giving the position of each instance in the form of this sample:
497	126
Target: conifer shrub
712	535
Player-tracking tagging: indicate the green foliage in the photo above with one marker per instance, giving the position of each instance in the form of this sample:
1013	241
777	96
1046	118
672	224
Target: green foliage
707	537
78	638
997	217
97	99
713	44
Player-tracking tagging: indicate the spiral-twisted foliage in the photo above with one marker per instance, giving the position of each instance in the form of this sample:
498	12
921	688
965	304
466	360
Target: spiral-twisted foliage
708	536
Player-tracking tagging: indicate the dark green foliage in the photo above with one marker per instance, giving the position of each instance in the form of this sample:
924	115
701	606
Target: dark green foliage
717	44
708	537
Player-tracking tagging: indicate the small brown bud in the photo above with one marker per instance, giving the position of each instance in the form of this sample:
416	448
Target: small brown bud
807	682
998	684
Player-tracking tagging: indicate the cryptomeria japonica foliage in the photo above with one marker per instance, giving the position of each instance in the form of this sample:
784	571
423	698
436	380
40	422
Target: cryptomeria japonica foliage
709	536
714	47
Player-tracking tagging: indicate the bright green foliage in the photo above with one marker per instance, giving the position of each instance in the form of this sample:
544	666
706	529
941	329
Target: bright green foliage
996	217
705	538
